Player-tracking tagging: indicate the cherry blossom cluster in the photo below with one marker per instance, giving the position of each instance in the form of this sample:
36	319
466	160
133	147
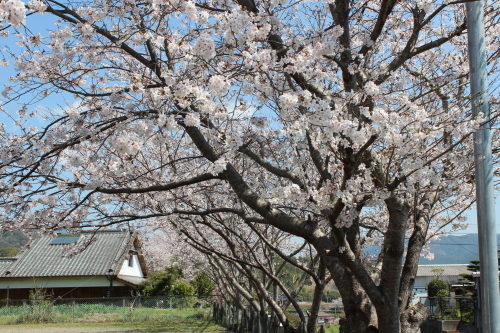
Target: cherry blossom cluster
37	5
13	12
218	85
127	143
204	47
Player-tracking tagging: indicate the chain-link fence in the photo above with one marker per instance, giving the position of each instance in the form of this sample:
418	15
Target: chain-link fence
451	307
89	310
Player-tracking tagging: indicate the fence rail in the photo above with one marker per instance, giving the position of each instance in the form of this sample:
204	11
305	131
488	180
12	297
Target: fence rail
88	310
451	308
250	321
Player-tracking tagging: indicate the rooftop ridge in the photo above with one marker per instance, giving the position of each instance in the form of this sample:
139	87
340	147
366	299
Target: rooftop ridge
104	231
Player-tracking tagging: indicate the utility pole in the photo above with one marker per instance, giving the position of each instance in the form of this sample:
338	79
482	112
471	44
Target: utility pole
490	294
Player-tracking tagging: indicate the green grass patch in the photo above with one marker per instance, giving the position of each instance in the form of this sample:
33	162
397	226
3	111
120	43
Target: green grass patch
89	313
332	329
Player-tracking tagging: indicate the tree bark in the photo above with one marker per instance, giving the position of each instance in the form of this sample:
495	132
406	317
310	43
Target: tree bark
393	251
413	317
318	293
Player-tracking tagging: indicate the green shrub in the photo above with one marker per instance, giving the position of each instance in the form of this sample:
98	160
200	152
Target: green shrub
452	313
40	311
468	317
436	285
181	288
203	285
443	293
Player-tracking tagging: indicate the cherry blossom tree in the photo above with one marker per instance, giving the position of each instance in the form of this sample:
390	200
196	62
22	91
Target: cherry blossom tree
343	123
244	261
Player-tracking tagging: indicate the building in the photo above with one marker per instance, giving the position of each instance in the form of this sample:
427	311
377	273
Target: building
426	273
324	318
110	265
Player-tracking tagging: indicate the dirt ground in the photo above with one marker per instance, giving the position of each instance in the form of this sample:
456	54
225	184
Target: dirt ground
60	329
105	328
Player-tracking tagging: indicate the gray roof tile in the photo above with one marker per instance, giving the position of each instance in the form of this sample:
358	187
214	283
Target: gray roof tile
5	263
41	259
448	270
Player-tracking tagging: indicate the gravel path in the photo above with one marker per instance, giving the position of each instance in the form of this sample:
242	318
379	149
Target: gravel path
71	328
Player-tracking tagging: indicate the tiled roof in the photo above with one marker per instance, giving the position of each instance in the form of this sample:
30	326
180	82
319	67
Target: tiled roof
5	263
41	259
448	270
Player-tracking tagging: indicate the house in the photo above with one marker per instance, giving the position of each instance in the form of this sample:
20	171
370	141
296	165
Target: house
110	265
323	317
426	273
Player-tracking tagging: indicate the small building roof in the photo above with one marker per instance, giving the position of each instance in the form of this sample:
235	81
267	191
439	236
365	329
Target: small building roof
40	258
448	270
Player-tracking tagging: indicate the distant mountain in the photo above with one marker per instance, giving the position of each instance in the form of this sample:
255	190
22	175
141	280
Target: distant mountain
4	244
448	250
453	250
13	239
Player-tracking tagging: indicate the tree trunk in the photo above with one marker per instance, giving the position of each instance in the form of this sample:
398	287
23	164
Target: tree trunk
390	276
318	293
388	319
358	309
413	317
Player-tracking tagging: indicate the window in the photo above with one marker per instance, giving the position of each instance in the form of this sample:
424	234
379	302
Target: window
131	261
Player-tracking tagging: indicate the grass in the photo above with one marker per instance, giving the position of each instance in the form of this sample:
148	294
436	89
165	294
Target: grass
90	313
332	329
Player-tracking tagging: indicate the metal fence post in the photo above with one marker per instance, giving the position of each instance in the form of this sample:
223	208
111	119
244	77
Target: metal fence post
170	307
73	311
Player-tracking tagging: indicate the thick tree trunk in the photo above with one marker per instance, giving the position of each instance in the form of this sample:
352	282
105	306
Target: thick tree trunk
359	311
413	317
390	276
388	319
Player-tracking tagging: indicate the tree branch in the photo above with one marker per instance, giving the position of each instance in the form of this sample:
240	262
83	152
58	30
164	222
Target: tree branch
156	188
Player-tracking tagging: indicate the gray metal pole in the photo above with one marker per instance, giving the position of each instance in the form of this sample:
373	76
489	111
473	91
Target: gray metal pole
490	295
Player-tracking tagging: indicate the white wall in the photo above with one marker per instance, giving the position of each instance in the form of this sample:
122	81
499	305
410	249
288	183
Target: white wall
423	281
135	270
57	282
